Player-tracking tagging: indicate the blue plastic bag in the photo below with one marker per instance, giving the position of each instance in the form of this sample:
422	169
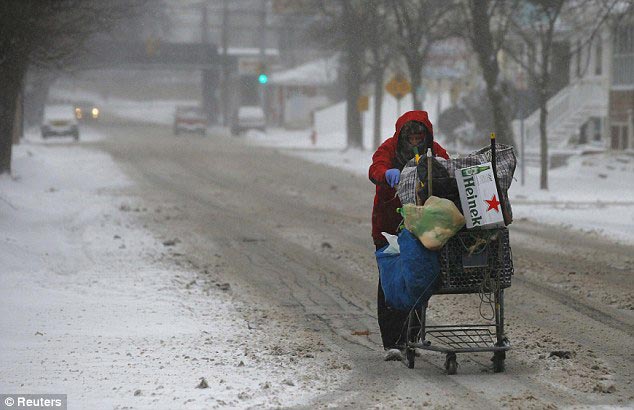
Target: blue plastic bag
408	279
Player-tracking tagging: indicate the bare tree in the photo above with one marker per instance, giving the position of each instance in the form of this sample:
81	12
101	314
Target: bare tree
44	33
540	24
380	41
419	24
486	23
353	18
344	26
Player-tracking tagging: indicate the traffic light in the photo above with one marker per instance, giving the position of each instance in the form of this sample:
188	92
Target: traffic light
263	78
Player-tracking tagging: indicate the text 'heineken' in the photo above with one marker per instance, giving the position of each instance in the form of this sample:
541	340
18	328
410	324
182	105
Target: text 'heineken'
479	197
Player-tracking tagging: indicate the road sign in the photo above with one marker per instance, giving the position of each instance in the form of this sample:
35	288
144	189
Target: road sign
152	46
398	86
363	103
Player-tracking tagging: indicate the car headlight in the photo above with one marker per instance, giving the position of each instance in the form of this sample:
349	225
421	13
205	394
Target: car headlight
95	112
78	113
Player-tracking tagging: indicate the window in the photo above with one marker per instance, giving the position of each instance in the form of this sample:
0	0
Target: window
623	57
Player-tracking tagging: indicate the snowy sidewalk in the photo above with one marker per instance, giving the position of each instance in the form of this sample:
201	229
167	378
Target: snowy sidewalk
593	193
93	306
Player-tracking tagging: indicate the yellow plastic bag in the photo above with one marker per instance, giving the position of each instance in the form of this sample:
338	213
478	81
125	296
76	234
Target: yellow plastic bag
434	222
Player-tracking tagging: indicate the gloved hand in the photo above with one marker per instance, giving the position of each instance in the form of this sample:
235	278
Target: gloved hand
392	176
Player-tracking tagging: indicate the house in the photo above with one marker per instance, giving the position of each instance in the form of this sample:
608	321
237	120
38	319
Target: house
595	107
298	91
621	98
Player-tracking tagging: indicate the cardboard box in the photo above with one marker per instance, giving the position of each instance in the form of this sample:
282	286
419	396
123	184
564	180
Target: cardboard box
479	197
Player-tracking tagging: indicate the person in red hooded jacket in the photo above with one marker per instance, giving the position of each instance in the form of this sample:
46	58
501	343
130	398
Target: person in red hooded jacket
412	128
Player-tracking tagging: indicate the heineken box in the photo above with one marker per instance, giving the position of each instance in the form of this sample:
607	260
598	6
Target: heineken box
479	197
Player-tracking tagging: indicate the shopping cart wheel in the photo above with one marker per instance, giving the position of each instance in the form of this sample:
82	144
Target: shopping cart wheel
410	355
498	362
414	326
451	365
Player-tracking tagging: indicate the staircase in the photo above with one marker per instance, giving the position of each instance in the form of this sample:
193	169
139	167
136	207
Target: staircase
555	159
568	110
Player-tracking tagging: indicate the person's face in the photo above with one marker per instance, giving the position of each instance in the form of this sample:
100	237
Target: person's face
415	139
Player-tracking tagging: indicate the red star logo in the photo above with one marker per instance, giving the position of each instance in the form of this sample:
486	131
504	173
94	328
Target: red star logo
493	203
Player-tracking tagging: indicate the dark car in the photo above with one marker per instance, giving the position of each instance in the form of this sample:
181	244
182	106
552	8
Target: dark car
189	119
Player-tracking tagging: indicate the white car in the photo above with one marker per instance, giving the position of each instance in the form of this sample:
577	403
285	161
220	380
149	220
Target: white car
189	119
60	120
248	117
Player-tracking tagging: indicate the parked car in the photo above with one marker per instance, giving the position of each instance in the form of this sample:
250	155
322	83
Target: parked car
60	120
248	117
190	119
86	111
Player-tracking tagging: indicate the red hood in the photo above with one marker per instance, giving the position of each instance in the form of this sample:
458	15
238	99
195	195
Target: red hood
420	116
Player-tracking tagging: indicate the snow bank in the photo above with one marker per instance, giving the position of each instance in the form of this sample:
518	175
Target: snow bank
330	122
593	193
147	112
94	306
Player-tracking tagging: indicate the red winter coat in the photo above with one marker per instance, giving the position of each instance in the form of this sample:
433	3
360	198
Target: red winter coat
384	215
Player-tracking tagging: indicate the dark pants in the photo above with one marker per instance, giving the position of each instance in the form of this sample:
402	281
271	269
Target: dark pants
392	322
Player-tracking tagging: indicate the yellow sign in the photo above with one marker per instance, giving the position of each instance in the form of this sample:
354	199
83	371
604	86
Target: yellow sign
398	86
363	103
152	46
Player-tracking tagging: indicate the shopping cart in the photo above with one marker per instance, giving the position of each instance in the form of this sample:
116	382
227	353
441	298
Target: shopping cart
471	262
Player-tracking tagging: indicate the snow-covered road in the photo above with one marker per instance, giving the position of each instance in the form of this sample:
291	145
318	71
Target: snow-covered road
95	306
131	276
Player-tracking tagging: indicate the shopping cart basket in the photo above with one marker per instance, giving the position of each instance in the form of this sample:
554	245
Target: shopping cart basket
471	262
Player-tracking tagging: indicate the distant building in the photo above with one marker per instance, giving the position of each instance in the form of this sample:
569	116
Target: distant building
621	105
298	91
595	106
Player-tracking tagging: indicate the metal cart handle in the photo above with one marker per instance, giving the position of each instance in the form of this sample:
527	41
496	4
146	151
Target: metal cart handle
430	154
505	214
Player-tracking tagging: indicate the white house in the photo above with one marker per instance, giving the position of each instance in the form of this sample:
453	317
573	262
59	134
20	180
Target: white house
595	108
299	91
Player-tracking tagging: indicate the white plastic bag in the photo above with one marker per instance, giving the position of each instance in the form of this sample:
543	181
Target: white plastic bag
393	246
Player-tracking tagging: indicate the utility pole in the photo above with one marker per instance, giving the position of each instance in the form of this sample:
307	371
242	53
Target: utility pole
207	75
225	63
204	24
522	142
263	94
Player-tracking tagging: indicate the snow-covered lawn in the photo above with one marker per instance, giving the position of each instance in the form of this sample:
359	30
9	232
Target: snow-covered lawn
93	305
592	193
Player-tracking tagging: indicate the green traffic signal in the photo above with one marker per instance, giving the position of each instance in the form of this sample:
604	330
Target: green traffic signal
263	78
